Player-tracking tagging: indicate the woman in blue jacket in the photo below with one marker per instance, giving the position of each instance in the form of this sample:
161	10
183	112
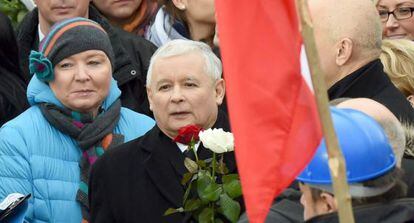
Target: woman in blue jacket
75	115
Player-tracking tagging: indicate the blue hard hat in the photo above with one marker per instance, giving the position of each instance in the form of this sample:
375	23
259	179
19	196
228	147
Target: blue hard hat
364	145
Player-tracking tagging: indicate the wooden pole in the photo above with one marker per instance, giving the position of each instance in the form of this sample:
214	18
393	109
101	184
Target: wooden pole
336	160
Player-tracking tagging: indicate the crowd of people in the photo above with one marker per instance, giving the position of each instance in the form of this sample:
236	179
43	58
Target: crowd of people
92	94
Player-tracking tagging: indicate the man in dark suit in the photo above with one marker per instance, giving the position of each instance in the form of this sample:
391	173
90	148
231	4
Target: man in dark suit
140	180
349	54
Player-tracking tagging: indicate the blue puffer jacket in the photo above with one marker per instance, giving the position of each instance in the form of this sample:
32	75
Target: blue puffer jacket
37	158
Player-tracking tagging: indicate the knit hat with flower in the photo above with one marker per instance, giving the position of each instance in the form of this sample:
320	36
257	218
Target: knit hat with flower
66	38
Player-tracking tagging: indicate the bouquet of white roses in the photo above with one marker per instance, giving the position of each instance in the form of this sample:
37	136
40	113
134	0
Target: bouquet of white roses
210	189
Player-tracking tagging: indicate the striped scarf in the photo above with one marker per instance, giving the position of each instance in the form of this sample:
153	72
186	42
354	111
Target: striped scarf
93	135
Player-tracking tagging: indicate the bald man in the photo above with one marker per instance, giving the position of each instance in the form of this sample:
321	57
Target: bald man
348	39
394	130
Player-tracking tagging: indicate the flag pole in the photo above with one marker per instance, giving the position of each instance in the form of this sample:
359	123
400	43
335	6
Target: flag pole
336	160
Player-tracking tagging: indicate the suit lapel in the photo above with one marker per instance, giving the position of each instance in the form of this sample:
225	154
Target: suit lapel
162	166
165	164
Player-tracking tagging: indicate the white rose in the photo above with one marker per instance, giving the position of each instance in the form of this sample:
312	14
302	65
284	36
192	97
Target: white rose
217	140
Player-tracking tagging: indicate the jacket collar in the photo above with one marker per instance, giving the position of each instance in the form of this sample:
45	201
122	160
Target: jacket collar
124	70
367	81
401	210
165	163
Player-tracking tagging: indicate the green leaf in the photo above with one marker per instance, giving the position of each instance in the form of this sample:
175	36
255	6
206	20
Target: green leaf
187	193
230	177
206	215
21	15
201	163
191	165
171	211
207	189
203	180
230	208
231	185
211	192
187	177
14	9
192	204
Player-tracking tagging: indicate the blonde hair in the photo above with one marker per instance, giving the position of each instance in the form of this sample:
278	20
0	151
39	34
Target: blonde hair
397	56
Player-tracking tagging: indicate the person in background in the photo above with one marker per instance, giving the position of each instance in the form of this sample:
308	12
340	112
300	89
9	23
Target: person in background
132	52
140	180
396	18
75	116
397	56
349	54
132	16
375	182
12	83
178	19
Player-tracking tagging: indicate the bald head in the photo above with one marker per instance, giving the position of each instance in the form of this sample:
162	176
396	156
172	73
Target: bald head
354	19
392	127
347	34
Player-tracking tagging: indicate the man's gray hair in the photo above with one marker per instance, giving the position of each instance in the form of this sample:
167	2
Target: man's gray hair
395	134
212	67
393	128
409	136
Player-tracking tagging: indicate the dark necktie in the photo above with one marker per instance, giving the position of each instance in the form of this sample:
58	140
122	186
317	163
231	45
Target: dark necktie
189	154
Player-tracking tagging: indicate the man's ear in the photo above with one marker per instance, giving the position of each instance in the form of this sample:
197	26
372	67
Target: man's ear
411	100
220	90
344	51
180	4
149	95
329	201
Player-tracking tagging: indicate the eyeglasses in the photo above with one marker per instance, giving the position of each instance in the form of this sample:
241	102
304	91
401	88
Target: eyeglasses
398	13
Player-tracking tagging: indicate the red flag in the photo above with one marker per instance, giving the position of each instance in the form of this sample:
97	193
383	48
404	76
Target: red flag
272	110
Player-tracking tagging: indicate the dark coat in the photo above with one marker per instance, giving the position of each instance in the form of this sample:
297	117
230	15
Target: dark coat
132	54
140	180
372	82
407	164
398	211
12	96
285	209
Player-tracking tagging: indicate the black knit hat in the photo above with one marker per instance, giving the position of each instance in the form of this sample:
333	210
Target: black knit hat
65	39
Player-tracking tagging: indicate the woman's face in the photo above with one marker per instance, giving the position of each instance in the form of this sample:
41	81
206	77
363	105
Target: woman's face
200	11
393	28
82	81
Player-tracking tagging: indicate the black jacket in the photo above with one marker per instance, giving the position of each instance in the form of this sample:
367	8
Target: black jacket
371	81
132	54
12	96
285	209
398	211
140	180
407	165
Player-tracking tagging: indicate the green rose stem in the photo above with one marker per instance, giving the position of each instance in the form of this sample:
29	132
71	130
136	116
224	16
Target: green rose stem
222	164
214	166
192	146
212	177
